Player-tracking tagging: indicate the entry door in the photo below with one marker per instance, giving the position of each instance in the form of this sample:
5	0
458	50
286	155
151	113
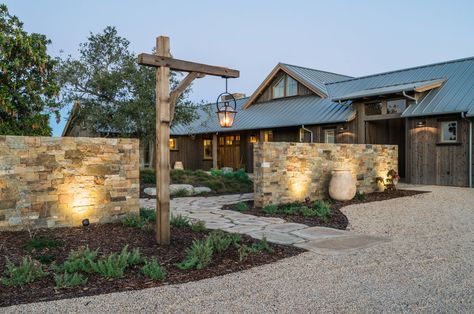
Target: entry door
229	151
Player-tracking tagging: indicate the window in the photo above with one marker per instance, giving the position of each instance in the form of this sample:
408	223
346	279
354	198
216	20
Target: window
279	88
173	144
449	131
291	86
253	139
267	136
396	106
330	136
207	149
373	109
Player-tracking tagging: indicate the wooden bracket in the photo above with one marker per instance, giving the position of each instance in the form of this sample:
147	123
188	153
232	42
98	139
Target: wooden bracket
174	95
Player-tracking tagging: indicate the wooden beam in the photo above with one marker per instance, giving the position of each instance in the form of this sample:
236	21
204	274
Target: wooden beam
185	66
162	145
180	89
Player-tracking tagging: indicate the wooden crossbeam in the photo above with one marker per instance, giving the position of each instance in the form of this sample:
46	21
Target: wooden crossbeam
185	66
174	95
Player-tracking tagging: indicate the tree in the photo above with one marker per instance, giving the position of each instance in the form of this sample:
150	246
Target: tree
28	84
115	94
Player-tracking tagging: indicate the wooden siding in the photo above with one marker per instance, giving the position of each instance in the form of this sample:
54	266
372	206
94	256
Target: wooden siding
267	92
191	152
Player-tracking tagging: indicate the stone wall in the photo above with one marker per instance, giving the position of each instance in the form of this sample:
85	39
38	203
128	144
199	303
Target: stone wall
287	172
52	182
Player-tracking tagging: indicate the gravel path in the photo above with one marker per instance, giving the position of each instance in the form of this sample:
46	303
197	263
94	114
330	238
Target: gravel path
428	267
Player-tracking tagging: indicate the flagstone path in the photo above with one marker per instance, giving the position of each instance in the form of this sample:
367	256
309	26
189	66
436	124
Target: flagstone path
320	240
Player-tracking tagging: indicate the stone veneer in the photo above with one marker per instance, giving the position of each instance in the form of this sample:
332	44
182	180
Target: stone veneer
52	182
288	172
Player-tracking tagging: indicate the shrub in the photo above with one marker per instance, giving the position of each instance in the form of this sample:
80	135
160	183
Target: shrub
323	210
134	221
262	245
45	258
67	280
79	260
307	211
148	214
179	221
198	226
181	193
42	243
244	251
220	240
216	172
270	209
360	196
241	207
241	175
113	266
153	270
176	175
290	209
148	176
27	271
198	256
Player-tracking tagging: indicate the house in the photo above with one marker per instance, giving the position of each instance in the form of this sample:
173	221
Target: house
426	110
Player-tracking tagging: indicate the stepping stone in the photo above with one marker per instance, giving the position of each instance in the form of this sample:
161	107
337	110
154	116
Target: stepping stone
246	229
341	245
285	227
314	233
276	237
249	221
205	216
272	220
219	225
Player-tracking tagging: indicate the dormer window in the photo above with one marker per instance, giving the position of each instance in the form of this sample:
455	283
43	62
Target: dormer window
286	86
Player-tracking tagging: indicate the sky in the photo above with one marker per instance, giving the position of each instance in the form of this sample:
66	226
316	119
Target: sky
349	37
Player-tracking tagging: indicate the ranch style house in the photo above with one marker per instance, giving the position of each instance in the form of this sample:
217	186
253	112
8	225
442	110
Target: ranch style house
427	111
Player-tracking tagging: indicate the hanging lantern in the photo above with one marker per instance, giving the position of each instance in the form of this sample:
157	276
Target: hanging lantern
227	109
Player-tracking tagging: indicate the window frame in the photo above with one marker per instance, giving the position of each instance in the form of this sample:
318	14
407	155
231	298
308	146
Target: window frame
206	157
175	140
268	136
441	133
284	79
325	135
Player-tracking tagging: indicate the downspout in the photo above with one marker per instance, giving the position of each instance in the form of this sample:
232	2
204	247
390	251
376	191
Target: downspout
409	97
469	149
307	130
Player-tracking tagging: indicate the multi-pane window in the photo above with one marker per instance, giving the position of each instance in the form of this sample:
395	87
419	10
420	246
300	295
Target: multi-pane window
267	136
373	109
279	88
207	148
286	86
449	131
330	136
173	144
291	86
396	106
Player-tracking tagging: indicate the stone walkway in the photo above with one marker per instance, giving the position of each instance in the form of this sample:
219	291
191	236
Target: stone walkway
316	239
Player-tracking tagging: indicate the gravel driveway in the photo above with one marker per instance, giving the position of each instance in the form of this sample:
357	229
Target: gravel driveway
428	266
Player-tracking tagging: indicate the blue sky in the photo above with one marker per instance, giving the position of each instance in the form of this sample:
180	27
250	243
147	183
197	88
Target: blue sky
349	37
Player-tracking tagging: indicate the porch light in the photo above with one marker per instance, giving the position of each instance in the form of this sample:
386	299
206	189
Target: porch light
420	124
227	109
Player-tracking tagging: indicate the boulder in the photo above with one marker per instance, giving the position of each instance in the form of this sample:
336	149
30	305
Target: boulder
227	170
150	191
178	188
202	190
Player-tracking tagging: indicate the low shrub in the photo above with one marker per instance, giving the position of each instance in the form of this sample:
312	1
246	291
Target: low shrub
179	221
78	260
27	271
181	193
198	256
244	250
262	245
220	240
307	211
45	258
42	243
134	221
148	176
198	226
323	209
148	214
270	209
241	207
360	196
153	270
114	265
216	172
67	280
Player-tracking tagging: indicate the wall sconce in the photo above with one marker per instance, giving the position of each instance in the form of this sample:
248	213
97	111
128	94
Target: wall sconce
253	139
342	128
420	124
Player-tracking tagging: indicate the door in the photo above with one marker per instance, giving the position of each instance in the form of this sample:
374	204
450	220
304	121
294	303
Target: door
229	151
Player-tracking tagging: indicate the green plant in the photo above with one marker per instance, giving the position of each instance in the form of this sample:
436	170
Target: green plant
241	175
78	260
241	207
27	271
216	172
45	258
181	193
67	280
179	221
134	221
360	196
290	209
152	269
148	214
262	245
148	176
198	226
244	251
42	243
323	210
135	257
113	266
220	240
270	209
198	256
307	211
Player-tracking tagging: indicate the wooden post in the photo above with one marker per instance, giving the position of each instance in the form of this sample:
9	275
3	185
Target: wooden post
214	152
162	144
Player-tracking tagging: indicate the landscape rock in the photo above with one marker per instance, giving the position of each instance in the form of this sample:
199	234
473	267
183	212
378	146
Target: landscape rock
202	190
227	170
177	188
150	191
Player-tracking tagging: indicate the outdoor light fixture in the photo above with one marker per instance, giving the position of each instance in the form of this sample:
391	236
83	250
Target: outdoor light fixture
420	124
85	222
227	109
342	128
253	139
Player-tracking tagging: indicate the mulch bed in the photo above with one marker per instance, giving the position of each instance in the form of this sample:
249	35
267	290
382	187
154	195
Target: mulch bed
112	238
337	219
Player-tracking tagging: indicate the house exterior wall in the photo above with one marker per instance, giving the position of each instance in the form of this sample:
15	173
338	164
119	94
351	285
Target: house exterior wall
53	182
288	172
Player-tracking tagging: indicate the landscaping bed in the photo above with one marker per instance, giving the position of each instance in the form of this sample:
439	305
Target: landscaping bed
319	213
53	246
219	182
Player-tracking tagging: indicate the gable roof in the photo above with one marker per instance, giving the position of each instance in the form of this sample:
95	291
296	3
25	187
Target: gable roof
314	80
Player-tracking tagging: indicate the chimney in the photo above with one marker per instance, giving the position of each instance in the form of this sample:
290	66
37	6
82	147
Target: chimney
236	96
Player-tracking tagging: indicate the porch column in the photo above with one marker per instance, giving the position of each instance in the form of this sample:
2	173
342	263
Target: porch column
214	151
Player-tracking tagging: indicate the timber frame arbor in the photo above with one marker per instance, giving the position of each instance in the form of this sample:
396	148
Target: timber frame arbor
165	109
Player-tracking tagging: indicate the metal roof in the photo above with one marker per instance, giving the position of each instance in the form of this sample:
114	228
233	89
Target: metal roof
282	112
398	88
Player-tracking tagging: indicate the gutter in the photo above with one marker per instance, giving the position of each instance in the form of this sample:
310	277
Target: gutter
469	149
307	130
404	93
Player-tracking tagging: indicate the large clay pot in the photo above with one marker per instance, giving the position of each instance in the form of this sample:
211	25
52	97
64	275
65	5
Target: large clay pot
342	186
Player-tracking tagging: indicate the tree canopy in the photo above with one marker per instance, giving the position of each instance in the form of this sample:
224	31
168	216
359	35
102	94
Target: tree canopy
113	93
28	85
